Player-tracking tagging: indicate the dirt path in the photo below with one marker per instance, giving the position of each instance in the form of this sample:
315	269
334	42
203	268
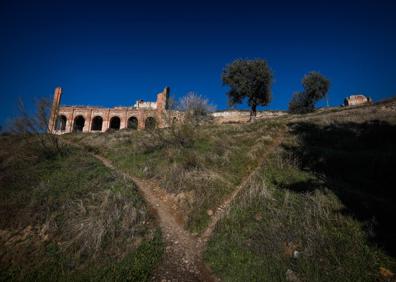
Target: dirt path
223	209
183	252
182	260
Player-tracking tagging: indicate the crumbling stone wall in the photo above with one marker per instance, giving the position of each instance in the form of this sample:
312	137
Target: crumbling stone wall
235	116
66	119
355	100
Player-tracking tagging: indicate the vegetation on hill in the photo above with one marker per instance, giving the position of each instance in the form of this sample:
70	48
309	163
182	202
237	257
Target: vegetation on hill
67	217
321	207
315	202
317	211
277	230
315	87
199	175
318	208
251	80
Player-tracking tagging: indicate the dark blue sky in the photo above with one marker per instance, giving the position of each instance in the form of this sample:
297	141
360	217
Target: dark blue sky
114	52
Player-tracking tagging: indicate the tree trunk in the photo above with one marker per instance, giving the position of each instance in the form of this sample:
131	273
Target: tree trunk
253	113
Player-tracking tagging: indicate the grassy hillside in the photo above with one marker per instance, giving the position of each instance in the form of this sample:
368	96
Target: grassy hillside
316	200
318	209
290	223
198	175
321	208
69	218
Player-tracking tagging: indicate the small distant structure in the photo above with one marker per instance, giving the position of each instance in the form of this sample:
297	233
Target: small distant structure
141	104
355	100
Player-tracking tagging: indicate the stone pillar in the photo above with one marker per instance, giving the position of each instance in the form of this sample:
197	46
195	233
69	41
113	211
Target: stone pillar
71	118
106	121
54	109
88	121
69	122
141	119
162	106
124	119
162	99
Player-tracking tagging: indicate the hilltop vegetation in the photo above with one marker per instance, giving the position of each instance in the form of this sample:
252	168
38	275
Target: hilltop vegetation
315	203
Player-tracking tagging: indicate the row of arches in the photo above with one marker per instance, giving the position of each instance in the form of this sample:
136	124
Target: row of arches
97	123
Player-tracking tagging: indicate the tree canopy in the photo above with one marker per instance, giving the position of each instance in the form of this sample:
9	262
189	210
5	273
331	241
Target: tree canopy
250	79
315	87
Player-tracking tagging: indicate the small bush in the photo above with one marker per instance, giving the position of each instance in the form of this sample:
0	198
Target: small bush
195	107
300	104
37	126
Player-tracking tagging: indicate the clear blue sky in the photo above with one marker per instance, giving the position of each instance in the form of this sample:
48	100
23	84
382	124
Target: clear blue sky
114	52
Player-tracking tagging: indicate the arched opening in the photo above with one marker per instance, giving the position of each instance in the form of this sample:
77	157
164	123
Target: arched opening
60	123
79	123
133	123
150	123
115	123
97	123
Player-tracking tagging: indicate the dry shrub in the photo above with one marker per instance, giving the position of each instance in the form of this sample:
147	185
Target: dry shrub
191	111
256	189
93	225
37	126
182	135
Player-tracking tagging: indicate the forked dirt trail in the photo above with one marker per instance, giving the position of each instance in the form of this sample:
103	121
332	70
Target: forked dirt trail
183	254
182	260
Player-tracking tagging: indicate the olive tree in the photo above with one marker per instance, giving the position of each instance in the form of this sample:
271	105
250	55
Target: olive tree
251	80
315	87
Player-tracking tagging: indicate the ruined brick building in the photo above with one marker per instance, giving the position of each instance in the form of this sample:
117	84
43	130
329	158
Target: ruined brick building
64	119
355	100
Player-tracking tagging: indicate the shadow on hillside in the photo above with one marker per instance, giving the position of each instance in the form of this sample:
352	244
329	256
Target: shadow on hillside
358	162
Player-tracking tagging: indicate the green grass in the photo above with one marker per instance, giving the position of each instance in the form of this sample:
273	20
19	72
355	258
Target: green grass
134	266
326	193
274	217
69	218
209	168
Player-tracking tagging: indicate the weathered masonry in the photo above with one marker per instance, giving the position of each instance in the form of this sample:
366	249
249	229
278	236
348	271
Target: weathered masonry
355	100
142	115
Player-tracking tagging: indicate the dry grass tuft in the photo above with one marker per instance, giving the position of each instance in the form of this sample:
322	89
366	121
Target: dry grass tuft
94	225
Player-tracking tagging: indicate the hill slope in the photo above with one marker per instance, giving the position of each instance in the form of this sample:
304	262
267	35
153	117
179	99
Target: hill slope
297	198
70	218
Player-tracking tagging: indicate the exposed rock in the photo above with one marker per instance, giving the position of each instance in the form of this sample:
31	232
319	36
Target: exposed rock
291	276
291	249
266	138
258	216
386	274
